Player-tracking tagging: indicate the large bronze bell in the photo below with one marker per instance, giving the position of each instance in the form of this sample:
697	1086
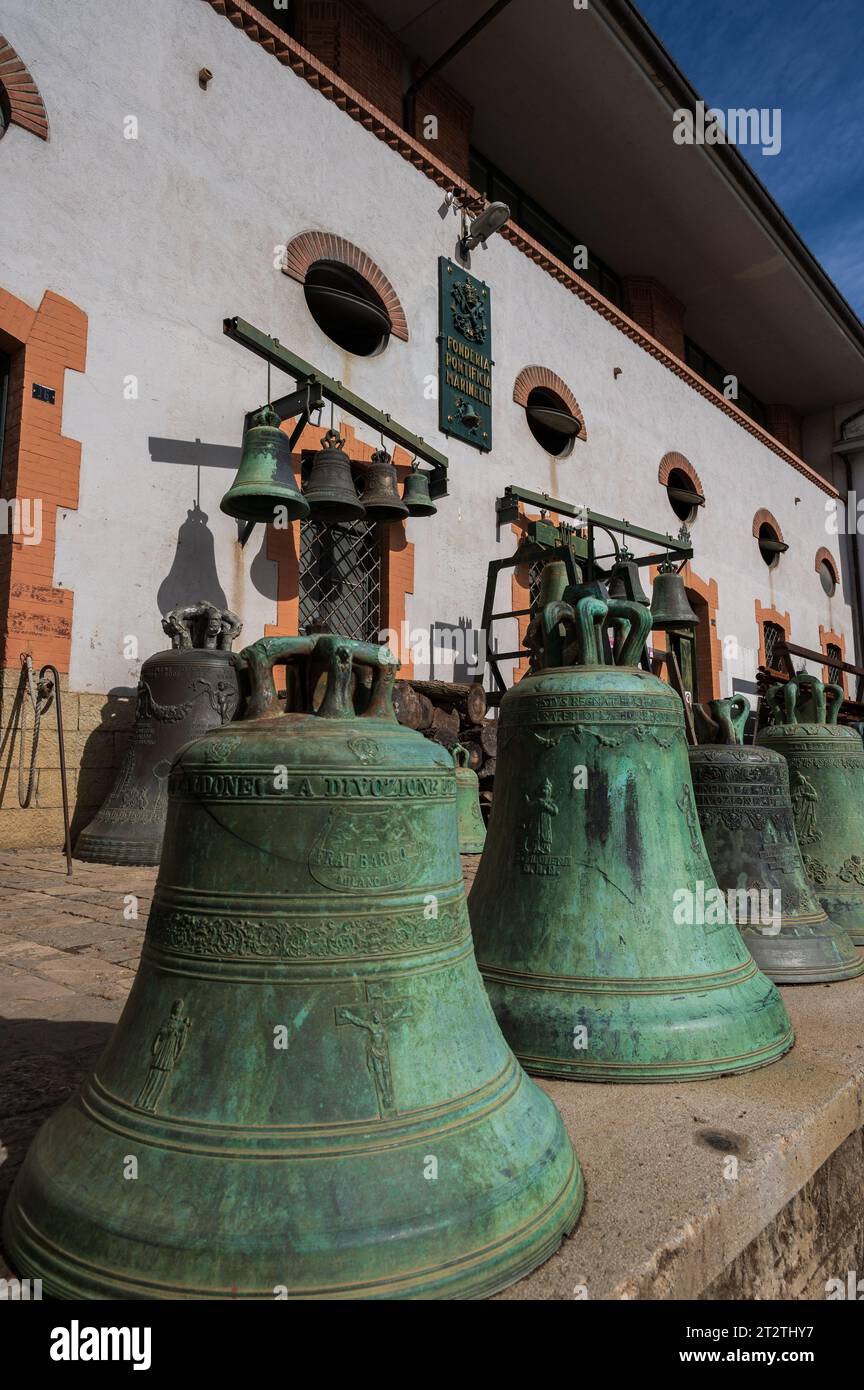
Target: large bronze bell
381	493
670	607
826	777
329	489
587	908
469	817
416	495
742	795
182	693
265	479
307	1070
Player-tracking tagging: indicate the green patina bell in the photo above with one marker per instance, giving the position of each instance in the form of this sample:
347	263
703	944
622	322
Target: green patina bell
742	795
601	958
307	1071
265	479
826	780
416	494
472	831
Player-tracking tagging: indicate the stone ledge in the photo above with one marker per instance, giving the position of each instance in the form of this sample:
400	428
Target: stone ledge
660	1220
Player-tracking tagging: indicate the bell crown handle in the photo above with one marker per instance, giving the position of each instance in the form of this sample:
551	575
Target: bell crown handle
337	658
730	718
834	707
634	621
460	755
582	621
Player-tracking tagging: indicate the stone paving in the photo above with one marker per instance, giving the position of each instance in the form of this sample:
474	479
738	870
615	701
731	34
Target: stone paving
69	949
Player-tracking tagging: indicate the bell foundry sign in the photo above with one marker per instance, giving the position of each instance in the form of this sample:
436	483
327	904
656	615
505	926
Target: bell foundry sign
464	355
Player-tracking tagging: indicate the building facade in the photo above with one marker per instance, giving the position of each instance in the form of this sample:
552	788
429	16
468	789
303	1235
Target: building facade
168	166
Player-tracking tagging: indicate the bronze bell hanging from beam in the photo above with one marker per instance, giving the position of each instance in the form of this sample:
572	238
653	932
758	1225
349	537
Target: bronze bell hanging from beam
381	493
329	488
670	607
416	495
265	478
747	820
624	579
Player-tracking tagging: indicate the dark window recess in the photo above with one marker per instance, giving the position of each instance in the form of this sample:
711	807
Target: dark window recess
340	579
280	14
835	657
551	421
684	500
716	375
346	308
770	545
774	638
4	395
542	226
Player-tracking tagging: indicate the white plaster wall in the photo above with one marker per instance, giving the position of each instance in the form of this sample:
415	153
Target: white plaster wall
157	239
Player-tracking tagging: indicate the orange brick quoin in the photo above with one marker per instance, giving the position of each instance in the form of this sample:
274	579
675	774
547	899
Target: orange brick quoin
532	377
19	93
309	247
40	464
397	559
675	460
761	517
770	615
826	636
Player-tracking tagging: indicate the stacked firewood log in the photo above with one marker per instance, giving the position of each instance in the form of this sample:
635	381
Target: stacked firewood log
449	713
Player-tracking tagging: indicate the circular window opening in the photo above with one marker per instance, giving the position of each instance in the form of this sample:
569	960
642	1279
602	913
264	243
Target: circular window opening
684	499
5	111
770	545
551	421
828	578
346	308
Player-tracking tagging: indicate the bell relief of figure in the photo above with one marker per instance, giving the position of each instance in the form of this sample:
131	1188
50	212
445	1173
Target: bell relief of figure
804	799
538	837
165	1053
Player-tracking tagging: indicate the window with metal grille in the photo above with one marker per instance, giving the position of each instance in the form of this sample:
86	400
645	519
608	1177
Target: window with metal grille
774	637
534	574
340	579
835	656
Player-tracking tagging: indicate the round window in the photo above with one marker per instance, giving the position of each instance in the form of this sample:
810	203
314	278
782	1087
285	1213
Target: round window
684	499
770	545
551	421
346	308
827	577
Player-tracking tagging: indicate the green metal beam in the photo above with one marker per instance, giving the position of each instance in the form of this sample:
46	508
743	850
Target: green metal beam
584	514
279	356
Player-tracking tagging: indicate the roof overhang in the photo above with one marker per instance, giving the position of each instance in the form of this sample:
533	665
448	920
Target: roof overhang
576	106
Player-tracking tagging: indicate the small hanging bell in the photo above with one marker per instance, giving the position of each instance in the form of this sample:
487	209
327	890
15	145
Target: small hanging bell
381	493
329	488
265	478
669	604
472	831
415	493
624	580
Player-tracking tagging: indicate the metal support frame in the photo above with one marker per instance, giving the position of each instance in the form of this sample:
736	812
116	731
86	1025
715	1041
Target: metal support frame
575	549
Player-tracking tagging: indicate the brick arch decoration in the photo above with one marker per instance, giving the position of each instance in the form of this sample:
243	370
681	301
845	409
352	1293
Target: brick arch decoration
532	377
397	570
823	554
675	460
24	100
761	517
307	248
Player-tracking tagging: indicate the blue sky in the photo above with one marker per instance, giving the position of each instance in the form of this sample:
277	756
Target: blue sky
807	58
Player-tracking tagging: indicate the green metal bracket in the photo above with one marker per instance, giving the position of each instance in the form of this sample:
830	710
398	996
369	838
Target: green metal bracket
303	372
